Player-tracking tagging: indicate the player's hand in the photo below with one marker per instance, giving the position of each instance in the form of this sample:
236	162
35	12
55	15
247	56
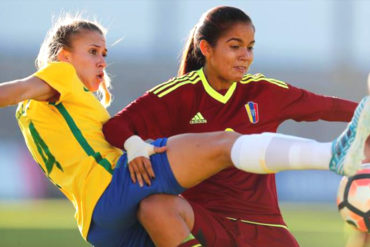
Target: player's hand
139	165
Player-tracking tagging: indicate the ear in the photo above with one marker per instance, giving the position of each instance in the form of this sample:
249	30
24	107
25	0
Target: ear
205	48
64	55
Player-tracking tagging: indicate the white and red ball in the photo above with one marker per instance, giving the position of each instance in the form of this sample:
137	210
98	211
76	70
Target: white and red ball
353	199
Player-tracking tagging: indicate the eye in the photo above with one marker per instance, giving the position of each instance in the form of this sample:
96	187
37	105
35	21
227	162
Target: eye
251	48
234	47
93	51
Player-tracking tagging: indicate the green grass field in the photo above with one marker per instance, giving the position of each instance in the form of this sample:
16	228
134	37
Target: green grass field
51	223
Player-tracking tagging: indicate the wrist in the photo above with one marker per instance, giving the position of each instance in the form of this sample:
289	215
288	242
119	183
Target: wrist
133	142
136	147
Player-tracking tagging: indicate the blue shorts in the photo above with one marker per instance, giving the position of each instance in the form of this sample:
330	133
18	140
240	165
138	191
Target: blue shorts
114	222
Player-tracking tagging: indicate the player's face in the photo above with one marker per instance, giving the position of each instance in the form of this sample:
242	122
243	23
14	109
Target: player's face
232	55
88	57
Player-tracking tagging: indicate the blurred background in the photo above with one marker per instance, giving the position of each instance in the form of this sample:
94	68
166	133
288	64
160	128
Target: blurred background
322	46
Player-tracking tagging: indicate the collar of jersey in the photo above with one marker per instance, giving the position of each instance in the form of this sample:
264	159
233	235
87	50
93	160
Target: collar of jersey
213	93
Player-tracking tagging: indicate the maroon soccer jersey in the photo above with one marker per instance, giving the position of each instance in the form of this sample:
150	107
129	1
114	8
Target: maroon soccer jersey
255	104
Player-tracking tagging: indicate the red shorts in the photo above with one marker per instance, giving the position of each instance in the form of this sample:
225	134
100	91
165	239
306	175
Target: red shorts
214	230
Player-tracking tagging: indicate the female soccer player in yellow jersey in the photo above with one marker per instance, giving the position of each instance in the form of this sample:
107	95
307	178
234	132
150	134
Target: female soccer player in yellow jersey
213	92
61	121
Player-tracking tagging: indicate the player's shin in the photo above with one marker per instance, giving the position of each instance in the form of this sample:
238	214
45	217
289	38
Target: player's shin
271	153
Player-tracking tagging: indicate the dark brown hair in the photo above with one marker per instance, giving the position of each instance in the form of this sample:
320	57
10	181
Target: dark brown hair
211	26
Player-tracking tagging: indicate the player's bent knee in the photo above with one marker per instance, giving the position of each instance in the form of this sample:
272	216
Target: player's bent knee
153	206
147	206
160	206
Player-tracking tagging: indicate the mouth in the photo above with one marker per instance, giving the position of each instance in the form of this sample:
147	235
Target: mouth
100	76
242	69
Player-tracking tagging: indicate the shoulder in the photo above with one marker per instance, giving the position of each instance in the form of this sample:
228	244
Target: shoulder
57	70
261	79
176	84
62	77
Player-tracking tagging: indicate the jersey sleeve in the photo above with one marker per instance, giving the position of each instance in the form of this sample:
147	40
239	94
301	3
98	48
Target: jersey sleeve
302	105
149	117
61	76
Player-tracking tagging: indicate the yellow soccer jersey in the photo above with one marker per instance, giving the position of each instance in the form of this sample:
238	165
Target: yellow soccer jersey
65	138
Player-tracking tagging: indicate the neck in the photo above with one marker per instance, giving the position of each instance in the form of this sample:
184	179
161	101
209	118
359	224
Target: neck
215	80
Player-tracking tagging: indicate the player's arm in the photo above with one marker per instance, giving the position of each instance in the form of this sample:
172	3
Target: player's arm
302	105
13	92
147	117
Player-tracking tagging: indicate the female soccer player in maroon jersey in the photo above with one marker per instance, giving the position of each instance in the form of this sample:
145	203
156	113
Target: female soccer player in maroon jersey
213	93
61	121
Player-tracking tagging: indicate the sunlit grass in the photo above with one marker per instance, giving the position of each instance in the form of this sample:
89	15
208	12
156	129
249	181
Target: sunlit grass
315	225
38	214
39	223
51	223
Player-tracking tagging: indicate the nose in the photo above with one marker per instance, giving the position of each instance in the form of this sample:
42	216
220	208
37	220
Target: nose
102	63
247	55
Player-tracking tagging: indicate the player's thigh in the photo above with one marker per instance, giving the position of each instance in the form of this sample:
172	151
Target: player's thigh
211	229
260	235
195	157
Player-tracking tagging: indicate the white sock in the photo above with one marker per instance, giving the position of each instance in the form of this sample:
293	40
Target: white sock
271	153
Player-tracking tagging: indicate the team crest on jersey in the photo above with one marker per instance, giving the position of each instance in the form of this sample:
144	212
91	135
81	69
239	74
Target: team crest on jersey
252	111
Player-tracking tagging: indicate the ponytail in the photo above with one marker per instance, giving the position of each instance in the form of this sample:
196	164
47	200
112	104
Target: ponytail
192	58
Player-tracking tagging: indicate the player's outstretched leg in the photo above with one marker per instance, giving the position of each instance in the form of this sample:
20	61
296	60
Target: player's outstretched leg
195	157
348	148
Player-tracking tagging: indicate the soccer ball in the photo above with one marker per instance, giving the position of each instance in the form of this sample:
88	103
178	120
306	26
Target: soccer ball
353	199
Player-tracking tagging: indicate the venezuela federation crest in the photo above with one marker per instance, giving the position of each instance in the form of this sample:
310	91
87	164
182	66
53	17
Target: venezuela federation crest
252	111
